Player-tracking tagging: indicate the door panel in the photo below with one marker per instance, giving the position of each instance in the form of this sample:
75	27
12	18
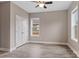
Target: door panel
24	30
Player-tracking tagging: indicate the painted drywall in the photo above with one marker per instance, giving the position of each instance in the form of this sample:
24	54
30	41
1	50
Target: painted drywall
8	12
74	45
53	26
15	10
5	25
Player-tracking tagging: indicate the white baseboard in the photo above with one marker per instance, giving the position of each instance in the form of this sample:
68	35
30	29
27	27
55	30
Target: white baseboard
4	49
73	50
59	43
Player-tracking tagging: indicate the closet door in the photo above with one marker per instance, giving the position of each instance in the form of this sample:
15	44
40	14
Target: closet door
18	31
21	30
24	32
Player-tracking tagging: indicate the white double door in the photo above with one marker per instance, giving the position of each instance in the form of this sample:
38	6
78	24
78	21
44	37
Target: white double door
21	31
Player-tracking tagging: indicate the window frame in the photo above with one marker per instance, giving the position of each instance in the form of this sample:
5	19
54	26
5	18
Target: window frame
74	24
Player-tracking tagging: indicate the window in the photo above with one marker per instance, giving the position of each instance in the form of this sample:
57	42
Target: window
74	24
35	27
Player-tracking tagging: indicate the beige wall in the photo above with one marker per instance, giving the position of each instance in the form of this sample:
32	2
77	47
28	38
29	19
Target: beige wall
53	26
5	25
74	45
15	10
8	12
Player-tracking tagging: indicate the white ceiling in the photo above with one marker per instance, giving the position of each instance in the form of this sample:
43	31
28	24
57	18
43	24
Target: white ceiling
29	6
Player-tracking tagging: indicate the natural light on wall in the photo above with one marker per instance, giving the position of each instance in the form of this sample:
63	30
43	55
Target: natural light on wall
74	24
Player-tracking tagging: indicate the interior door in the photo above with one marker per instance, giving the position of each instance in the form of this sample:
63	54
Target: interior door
21	31
18	31
24	30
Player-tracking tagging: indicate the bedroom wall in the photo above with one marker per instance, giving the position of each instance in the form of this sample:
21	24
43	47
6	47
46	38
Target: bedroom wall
15	10
53	26
5	25
8	12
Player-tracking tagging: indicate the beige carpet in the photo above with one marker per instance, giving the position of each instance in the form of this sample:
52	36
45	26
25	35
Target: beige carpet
41	51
